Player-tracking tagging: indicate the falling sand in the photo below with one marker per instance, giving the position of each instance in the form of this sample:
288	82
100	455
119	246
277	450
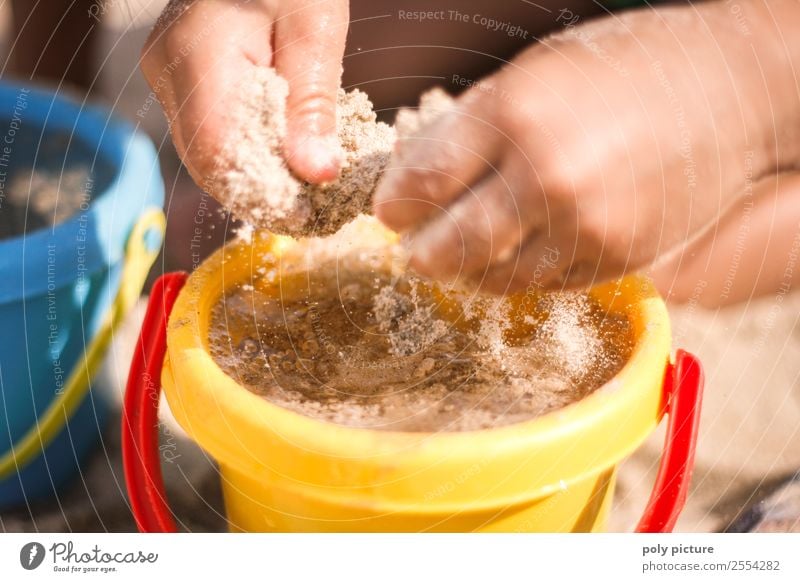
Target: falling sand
355	341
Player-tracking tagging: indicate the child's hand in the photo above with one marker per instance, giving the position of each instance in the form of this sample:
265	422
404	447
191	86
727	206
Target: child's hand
590	155
199	50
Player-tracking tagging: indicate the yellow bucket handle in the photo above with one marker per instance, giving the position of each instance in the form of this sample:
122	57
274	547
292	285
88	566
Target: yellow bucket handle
139	257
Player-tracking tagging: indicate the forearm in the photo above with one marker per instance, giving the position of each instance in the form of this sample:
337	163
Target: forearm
752	252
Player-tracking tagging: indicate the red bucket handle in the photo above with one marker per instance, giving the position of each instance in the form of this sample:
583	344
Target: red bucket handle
140	458
683	389
683	396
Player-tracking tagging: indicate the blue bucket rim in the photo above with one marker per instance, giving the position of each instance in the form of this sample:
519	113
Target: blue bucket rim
111	212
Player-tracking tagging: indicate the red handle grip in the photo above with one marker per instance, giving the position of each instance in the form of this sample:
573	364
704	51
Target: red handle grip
683	389
140	412
683	395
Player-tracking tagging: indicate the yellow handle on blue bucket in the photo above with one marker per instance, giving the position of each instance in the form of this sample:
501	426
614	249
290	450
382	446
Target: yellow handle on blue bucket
139	257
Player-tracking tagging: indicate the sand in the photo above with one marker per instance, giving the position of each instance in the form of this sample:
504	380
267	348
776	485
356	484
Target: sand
255	182
45	180
432	104
358	342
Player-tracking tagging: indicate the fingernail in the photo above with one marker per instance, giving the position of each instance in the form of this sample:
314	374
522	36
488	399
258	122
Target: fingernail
419	245
324	155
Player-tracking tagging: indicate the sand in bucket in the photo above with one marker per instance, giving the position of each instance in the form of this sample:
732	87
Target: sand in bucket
342	334
45	179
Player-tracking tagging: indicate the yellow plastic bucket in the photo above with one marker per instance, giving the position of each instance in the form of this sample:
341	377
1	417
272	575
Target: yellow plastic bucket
282	471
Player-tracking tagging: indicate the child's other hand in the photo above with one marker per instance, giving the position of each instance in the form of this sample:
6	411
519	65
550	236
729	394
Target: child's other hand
588	156
199	50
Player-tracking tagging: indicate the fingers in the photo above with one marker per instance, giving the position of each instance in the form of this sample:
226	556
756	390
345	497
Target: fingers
536	262
309	47
564	261
194	70
435	167
484	226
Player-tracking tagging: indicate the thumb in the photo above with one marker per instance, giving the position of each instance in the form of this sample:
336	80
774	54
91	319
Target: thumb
309	46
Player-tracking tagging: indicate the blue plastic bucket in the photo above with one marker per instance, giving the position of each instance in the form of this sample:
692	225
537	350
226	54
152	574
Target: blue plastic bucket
60	290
